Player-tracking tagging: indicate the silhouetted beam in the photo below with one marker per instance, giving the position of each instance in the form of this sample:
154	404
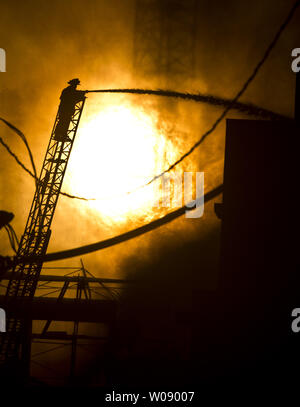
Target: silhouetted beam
65	310
75	279
63	336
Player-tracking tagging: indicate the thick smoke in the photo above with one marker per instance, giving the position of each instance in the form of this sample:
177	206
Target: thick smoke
48	43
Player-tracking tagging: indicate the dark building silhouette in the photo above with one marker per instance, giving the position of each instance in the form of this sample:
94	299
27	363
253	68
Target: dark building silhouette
259	281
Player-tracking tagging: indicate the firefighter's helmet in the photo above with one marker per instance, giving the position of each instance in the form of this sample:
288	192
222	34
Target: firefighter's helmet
74	81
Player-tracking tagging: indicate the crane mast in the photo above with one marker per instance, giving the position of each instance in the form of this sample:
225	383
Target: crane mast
34	241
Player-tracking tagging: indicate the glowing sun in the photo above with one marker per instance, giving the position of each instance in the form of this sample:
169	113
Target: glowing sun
116	151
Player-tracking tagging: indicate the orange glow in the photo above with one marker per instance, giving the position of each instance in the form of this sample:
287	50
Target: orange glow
117	150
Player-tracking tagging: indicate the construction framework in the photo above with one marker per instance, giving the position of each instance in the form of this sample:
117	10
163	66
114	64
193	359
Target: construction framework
34	241
165	37
74	298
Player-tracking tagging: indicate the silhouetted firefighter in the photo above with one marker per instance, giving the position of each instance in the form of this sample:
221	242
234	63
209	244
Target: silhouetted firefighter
68	99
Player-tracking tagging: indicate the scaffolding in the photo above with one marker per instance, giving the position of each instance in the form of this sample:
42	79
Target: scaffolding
71	301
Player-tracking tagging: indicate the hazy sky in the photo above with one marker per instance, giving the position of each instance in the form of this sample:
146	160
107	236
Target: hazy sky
48	43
